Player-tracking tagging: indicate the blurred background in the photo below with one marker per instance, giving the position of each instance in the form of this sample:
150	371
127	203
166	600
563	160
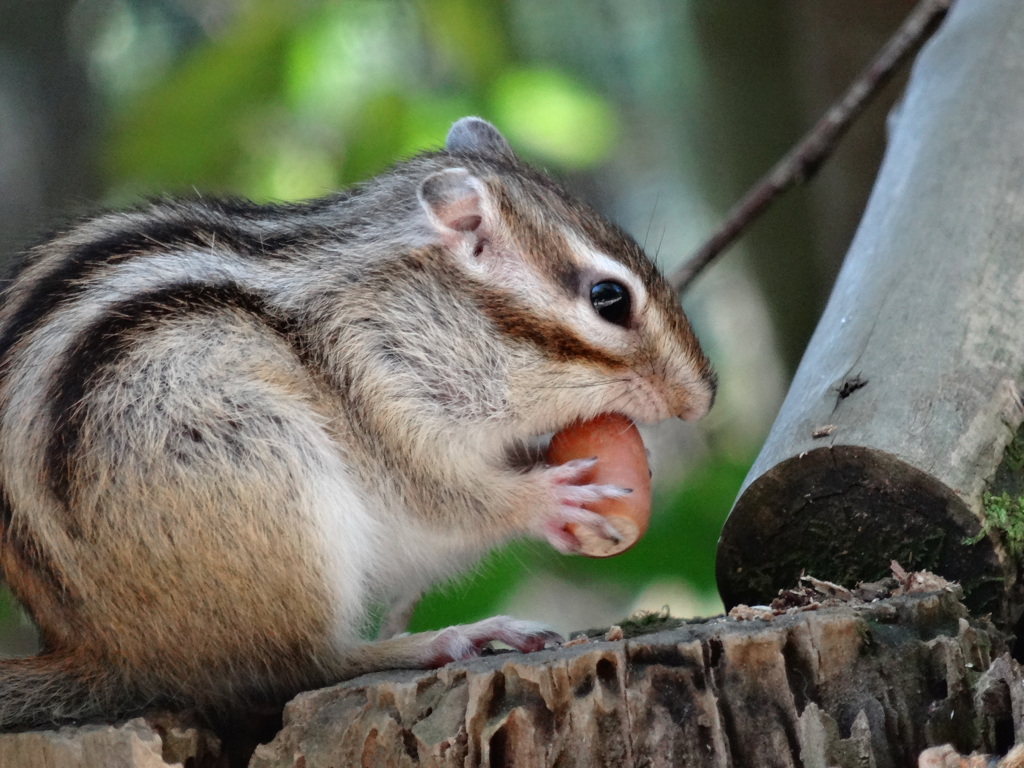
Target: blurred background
659	112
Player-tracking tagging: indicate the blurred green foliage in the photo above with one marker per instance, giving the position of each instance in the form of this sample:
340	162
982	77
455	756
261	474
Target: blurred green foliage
294	99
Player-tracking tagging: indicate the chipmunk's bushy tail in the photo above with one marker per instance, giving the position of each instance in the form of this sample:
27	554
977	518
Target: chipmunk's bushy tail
54	688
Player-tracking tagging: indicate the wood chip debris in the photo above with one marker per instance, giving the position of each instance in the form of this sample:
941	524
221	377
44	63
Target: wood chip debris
812	593
614	633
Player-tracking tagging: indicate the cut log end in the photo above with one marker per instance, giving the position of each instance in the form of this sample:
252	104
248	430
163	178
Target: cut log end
844	514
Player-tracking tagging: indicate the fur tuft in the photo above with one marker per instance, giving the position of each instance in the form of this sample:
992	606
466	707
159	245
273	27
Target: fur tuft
53	688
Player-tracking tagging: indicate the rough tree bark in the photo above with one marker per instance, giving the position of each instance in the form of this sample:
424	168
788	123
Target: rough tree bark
910	390
813	688
819	682
831	687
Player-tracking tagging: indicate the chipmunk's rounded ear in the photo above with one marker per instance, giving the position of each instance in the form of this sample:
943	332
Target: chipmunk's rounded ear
454	200
476	135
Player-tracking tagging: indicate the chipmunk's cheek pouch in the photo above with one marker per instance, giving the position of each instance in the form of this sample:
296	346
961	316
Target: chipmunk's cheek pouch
621	462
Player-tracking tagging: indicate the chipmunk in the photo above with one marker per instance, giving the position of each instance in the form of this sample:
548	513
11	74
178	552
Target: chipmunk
228	430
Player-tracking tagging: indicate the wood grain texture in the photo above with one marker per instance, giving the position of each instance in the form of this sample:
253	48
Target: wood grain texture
910	389
843	684
164	741
873	684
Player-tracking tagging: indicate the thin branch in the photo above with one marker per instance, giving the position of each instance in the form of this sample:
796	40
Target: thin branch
803	161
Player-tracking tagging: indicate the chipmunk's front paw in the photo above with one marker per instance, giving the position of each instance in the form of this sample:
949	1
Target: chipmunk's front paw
571	489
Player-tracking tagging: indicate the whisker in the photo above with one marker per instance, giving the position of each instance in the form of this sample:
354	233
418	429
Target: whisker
585	385
661	241
650	222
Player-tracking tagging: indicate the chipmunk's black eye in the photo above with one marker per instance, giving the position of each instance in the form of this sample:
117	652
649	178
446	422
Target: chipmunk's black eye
611	301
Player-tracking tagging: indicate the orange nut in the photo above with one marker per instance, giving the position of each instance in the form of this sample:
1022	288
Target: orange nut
621	461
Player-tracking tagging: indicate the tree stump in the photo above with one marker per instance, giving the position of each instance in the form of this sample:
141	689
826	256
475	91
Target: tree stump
909	394
825	679
855	684
160	741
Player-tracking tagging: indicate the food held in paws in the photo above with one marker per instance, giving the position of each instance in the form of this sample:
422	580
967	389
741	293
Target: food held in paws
621	461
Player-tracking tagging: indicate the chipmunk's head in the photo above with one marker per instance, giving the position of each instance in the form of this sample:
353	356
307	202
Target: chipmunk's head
594	324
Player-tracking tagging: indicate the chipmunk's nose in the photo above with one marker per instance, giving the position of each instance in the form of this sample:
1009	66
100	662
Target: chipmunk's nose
697	401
